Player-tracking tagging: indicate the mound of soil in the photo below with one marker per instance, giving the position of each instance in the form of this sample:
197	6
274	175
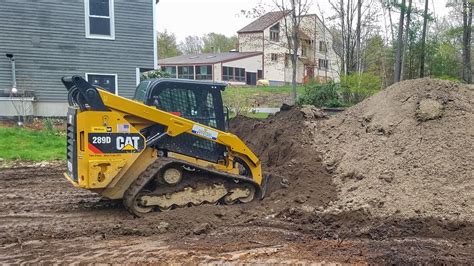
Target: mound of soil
288	154
407	151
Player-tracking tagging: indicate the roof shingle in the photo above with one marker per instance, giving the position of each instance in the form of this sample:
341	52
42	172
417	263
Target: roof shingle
263	22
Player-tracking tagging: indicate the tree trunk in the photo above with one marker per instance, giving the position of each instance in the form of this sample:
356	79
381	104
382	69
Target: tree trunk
391	21
406	41
398	58
295	41
423	41
349	60
358	40
294	61
467	31
343	35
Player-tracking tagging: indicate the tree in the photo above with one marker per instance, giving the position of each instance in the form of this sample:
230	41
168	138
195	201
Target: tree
167	46
191	45
406	45
467	32
398	57
294	10
217	43
378	59
423	40
357	21
358	36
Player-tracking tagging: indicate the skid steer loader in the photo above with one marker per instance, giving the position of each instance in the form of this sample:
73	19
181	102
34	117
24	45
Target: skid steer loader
167	148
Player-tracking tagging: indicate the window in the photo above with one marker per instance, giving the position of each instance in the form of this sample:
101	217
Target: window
323	47
274	57
170	70
233	74
239	74
204	72
227	73
323	64
275	33
196	104
186	72
188	102
99	18
105	81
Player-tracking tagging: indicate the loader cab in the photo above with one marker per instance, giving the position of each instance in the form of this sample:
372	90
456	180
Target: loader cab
194	100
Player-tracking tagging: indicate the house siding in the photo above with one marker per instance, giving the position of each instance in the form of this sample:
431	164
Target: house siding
250	42
48	41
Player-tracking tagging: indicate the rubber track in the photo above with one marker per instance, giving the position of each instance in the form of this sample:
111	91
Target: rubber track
139	184
143	179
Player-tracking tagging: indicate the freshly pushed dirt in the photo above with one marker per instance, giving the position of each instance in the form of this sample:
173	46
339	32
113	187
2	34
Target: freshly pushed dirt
343	189
288	154
407	152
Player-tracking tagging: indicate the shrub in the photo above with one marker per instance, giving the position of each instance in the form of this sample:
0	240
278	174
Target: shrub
321	95
356	87
239	103
447	77
48	125
155	74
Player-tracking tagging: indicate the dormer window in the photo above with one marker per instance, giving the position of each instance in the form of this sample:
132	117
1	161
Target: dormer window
275	33
99	18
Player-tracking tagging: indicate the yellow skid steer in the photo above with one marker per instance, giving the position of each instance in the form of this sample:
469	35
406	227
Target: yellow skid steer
167	148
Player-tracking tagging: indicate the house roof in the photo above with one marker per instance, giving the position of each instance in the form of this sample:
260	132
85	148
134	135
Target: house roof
207	58
263	22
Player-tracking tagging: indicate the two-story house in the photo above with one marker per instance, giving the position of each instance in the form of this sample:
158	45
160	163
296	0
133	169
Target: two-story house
316	57
109	42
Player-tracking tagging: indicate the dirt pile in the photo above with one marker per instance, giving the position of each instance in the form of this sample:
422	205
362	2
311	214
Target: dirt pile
407	151
288	153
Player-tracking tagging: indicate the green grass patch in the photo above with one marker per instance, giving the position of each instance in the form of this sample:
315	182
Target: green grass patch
264	96
257	115
30	145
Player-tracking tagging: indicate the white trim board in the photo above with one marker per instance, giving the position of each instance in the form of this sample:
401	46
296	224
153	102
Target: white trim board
137	76
112	22
155	37
105	74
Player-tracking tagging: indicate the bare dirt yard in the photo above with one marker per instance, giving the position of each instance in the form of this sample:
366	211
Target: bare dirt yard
388	181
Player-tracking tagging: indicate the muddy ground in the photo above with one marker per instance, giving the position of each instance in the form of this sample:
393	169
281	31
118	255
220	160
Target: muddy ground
327	200
44	219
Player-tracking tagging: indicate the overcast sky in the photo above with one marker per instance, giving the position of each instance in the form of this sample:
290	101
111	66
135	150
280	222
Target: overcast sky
198	17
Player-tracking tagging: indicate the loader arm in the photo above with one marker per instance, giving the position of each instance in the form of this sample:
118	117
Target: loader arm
176	125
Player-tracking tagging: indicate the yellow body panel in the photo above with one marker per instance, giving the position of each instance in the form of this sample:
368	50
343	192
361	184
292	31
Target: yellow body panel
117	131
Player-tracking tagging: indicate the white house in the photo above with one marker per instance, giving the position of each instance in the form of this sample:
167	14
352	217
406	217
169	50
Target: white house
316	57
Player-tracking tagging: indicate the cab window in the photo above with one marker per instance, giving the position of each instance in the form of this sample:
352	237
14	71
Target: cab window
140	92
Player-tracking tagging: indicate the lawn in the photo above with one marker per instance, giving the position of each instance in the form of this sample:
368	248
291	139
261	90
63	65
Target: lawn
258	115
31	145
258	96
